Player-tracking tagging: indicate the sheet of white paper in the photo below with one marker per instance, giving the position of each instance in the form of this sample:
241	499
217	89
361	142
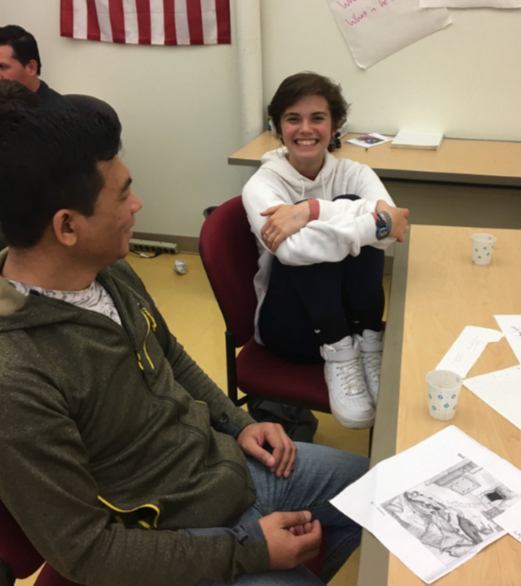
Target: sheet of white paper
501	390
511	521
375	29
470	3
433	505
511	326
369	140
468	347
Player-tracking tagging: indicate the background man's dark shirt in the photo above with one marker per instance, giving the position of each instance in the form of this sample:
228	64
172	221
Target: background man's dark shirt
50	99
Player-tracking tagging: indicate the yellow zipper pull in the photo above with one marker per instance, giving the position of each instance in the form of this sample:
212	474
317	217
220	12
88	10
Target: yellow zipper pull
150	317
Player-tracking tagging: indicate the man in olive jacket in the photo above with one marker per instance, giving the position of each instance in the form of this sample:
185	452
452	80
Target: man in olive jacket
121	460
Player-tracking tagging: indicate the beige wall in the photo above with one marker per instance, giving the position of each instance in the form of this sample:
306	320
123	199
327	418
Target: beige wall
464	80
179	108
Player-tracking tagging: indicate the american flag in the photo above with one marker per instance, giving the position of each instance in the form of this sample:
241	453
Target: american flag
147	22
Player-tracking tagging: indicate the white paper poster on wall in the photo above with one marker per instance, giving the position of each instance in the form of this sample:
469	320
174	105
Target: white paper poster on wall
470	3
375	29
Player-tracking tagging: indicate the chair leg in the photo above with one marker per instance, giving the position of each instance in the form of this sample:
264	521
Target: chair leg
6	576
231	372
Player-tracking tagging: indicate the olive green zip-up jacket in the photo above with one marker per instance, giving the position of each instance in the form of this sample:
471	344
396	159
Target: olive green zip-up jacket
117	453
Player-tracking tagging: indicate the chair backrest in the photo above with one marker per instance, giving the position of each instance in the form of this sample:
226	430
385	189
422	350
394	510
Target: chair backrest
230	256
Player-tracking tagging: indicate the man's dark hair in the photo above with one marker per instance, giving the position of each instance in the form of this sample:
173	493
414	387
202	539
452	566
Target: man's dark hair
48	162
23	43
16	96
301	85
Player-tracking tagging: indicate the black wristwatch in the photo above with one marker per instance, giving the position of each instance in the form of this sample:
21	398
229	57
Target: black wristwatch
384	224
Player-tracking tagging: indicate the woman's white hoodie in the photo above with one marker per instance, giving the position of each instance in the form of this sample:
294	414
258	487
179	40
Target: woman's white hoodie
343	226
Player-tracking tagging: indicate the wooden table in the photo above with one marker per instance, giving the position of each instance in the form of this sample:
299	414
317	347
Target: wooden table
435	292
475	162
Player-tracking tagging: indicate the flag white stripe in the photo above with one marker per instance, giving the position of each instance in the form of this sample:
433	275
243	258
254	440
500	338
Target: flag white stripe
131	23
102	8
157	21
80	19
209	16
181	23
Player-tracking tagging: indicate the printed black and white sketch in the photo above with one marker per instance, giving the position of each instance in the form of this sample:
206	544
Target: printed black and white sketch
453	512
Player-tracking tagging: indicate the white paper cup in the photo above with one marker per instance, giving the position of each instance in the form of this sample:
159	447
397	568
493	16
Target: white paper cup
482	248
443	389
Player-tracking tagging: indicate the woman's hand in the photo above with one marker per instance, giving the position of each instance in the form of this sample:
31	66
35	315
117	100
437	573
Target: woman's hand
284	220
398	217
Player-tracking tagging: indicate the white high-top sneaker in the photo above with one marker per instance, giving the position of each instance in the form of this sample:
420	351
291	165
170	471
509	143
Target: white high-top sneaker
371	346
349	398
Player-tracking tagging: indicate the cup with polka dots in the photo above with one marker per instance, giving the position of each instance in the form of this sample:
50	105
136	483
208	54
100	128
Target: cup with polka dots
443	389
482	248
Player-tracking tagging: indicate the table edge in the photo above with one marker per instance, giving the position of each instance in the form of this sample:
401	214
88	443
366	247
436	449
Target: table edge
374	557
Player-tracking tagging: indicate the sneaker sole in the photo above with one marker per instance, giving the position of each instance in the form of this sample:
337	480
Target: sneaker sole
352	423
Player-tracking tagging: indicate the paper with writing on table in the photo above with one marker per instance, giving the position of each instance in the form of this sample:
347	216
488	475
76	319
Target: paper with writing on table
467	349
511	326
501	390
435	505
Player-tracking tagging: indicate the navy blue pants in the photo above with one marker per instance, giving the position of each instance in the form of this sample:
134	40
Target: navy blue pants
307	306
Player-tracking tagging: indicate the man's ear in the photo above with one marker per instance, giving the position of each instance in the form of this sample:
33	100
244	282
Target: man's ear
32	68
65	225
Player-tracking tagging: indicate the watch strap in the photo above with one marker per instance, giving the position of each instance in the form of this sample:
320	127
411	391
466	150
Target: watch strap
384	220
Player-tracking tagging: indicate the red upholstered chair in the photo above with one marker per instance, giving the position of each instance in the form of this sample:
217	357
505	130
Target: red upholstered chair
50	577
19	559
229	254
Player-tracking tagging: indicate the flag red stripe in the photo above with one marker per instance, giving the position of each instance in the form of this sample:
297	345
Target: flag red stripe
117	21
222	8
195	22
93	30
170	32
144	22
66	11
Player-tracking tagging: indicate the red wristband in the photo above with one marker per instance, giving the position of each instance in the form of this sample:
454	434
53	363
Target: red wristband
314	209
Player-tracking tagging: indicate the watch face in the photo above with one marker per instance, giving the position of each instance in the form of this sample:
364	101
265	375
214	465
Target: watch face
382	233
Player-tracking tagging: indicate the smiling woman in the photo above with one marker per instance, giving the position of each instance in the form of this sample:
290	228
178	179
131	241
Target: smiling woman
306	130
322	225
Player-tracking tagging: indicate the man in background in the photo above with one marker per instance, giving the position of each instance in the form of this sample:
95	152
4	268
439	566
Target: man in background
20	61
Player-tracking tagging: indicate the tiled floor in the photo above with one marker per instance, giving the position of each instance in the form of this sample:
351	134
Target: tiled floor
187	304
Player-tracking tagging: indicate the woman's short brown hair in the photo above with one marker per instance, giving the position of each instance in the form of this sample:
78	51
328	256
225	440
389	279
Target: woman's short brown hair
307	83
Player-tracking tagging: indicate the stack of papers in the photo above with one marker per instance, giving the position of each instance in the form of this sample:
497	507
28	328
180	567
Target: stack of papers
437	504
418	140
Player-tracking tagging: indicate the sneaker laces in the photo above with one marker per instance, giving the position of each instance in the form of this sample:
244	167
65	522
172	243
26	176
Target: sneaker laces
351	377
372	365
